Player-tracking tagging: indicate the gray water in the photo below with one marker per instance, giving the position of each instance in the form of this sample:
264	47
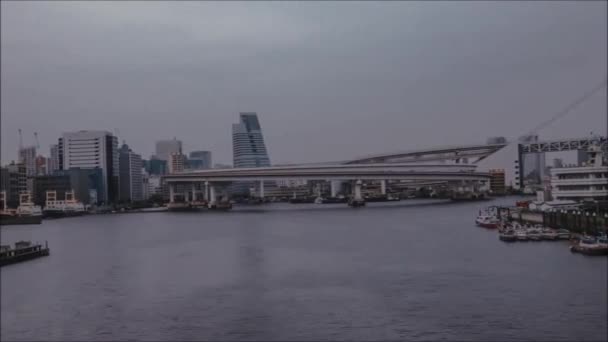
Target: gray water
299	272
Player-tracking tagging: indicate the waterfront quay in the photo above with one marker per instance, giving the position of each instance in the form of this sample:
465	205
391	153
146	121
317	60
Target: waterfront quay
411	270
576	221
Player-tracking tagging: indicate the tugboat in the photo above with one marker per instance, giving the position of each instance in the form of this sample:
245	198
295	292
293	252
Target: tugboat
26	213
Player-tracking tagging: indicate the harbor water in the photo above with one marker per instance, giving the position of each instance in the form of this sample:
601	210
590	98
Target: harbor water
410	270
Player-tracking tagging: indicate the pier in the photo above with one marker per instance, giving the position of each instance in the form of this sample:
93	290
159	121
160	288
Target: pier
23	251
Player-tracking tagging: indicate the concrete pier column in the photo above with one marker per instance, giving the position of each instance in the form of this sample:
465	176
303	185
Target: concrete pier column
383	187
357	190
171	193
261	189
212	199
193	192
335	186
206	194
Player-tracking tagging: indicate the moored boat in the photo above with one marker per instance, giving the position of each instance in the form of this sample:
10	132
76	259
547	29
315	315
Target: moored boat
563	234
534	235
521	235
591	246
26	213
487	222
507	235
548	234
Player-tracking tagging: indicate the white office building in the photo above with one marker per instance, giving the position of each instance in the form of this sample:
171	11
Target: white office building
90	150
583	183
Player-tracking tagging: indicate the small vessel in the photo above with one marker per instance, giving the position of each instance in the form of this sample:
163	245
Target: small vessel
589	245
548	234
356	202
332	200
486	221
563	234
534	235
521	235
221	205
507	235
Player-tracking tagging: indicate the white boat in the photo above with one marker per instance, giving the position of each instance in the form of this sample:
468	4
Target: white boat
521	235
534	235
563	234
549	234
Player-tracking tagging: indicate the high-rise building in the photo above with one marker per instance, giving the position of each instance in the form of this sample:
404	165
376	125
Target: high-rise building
199	160
16	184
41	165
90	150
27	156
60	152
54	159
248	147
164	148
176	162
533	163
130	175
155	166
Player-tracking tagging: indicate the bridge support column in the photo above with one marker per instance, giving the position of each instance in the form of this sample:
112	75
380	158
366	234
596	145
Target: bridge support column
206	192
212	200
171	192
357	200
383	187
193	192
261	189
357	192
335	186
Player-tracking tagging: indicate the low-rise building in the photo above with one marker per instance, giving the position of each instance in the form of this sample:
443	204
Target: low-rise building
588	182
176	162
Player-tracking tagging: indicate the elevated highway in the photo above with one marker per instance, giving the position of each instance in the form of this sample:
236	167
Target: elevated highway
356	173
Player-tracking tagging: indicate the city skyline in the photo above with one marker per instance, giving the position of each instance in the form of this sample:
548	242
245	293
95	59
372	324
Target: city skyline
401	75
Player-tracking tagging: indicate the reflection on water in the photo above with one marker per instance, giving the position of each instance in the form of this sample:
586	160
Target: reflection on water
408	270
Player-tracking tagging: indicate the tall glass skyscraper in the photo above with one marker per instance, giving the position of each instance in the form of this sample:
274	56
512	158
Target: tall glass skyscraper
248	147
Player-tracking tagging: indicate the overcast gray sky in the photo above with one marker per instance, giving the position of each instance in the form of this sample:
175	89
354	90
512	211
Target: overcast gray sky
328	80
